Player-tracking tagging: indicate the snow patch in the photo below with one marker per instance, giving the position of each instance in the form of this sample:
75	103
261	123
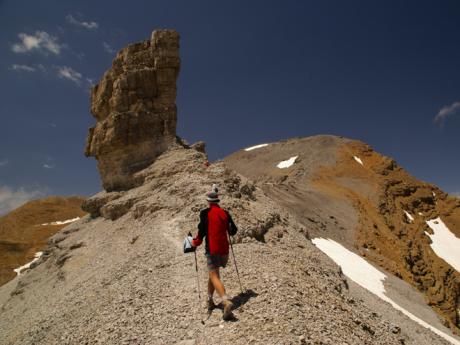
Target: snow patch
27	265
361	272
409	216
353	266
420	214
287	163
444	242
255	147
358	160
61	222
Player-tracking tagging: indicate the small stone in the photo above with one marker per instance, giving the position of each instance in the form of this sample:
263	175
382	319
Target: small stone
187	342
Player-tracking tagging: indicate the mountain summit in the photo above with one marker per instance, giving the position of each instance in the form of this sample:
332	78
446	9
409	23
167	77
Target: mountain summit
343	190
119	275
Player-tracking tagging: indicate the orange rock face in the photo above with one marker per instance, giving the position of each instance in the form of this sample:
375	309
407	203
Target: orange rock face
26	230
393	208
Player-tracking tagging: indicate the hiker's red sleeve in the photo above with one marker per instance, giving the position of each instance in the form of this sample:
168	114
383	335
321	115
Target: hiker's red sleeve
197	241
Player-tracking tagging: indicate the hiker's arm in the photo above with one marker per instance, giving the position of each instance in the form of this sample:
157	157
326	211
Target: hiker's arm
232	229
201	231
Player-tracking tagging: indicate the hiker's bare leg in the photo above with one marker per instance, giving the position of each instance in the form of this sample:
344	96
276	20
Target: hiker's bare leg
210	288
216	283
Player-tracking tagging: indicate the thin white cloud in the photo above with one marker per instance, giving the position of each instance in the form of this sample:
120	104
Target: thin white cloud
90	82
39	41
23	68
446	112
11	199
48	163
108	48
28	68
4	162
66	72
87	25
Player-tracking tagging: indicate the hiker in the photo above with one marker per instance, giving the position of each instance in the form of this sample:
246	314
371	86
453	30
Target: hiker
214	225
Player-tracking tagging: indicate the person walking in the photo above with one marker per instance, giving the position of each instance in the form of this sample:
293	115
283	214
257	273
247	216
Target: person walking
215	224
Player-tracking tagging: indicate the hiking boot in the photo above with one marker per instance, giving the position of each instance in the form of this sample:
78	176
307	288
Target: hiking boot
211	305
227	310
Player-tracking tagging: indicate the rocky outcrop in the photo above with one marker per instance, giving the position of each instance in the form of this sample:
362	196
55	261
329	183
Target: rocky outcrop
94	204
417	262
134	105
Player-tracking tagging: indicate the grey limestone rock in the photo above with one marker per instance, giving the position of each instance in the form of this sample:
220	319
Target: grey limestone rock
134	106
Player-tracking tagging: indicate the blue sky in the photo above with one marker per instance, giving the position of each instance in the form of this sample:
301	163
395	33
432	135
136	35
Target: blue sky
385	72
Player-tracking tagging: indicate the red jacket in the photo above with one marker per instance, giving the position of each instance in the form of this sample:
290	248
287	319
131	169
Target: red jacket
215	224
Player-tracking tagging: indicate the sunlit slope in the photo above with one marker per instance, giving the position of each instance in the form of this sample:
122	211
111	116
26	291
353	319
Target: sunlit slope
24	231
343	190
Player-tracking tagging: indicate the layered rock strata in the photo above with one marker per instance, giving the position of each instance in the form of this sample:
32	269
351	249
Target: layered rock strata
134	106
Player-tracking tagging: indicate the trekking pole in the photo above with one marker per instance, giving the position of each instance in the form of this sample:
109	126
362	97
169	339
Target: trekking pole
198	286
197	278
236	266
197	281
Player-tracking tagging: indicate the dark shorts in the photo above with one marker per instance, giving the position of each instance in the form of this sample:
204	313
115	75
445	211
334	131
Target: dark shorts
215	261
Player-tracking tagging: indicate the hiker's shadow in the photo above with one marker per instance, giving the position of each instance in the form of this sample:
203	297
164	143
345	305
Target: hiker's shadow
242	298
239	300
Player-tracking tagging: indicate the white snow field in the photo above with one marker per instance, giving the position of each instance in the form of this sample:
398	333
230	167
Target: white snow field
410	218
61	222
255	147
444	243
287	163
361	272
27	265
358	160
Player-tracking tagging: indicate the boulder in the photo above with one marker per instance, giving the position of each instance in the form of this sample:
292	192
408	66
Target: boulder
94	204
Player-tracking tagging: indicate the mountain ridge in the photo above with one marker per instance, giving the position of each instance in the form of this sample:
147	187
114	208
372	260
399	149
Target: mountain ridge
126	280
118	275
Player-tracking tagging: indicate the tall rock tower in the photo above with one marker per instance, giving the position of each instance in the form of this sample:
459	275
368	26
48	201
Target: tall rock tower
134	106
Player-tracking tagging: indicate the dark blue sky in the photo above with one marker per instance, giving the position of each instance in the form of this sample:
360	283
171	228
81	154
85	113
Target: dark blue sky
252	72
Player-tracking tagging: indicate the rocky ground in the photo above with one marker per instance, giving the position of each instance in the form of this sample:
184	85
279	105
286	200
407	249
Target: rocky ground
126	280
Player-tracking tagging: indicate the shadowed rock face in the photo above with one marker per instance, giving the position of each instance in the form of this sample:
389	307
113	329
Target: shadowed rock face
134	105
